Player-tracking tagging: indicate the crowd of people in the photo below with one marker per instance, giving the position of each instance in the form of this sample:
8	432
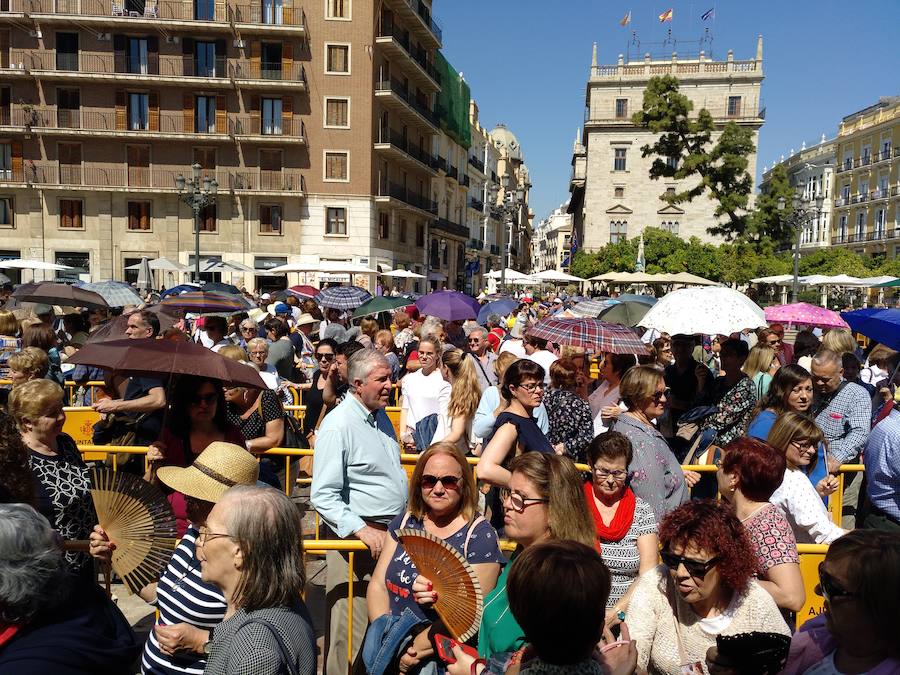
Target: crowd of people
623	561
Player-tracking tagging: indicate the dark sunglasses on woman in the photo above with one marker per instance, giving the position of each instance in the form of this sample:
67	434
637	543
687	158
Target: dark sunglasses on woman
449	482
698	569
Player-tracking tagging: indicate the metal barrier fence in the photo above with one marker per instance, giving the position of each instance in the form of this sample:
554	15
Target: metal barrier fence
810	554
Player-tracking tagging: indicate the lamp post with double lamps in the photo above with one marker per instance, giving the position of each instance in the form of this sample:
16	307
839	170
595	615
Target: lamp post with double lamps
510	207
803	212
198	193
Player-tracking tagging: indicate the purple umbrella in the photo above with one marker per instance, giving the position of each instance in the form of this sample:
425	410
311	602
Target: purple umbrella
449	305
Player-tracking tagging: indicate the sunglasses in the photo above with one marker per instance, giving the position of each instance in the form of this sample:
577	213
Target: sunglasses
518	501
429	482
209	399
698	569
247	329
325	357
830	589
660	395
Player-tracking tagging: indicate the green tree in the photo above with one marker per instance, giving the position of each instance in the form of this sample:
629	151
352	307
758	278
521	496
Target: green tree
720	167
767	222
833	261
890	268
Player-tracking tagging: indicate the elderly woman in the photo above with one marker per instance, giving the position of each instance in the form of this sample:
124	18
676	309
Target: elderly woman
198	417
571	422
258	352
704	588
247	330
10	343
489	405
50	622
733	394
656	476
188	607
625	524
62	478
749	472
797	437
515	430
42	336
542	501
443	501
857	632
251	549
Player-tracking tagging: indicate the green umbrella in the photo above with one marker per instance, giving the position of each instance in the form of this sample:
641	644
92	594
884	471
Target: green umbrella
379	304
627	313
889	284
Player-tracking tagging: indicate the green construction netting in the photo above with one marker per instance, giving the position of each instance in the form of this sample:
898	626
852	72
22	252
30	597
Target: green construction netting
453	102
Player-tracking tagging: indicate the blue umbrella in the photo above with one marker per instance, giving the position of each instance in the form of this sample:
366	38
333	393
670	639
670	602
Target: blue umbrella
881	325
182	288
503	307
449	305
648	300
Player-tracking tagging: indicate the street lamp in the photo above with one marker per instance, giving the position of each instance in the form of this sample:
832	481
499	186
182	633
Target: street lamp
197	193
509	208
804	211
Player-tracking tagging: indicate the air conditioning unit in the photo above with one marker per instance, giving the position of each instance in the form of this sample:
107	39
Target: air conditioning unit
240	44
105	37
172	39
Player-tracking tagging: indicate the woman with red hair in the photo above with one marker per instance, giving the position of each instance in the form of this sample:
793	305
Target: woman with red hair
749	472
704	588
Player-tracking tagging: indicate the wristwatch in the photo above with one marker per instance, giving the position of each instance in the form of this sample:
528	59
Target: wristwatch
207	646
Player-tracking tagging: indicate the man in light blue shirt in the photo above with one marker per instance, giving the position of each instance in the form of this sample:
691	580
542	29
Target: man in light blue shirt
358	487
882	459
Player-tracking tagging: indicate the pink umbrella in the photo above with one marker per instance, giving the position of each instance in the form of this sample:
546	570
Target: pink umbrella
805	314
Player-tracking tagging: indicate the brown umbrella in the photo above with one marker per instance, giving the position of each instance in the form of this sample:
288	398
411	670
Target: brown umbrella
159	358
52	293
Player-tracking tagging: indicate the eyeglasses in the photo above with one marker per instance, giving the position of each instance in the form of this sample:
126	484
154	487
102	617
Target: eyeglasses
532	386
660	395
830	589
474	341
518	501
247	329
208	399
603	474
261	352
205	536
698	569
325	357
429	482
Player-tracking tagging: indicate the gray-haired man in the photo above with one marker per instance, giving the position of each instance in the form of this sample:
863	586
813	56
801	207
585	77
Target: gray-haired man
484	358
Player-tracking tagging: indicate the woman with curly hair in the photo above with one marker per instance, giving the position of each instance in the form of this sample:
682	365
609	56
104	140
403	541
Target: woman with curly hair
16	480
704	588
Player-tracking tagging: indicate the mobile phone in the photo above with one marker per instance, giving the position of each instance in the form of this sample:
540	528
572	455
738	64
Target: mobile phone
444	646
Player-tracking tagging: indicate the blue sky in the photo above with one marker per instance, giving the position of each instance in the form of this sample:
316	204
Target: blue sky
527	63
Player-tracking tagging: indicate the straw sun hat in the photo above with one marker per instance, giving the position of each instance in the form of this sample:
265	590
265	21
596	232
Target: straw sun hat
219	467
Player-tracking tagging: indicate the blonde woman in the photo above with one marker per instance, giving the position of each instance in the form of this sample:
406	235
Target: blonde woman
761	366
840	341
455	421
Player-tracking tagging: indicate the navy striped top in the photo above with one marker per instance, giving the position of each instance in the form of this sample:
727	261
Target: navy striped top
183	597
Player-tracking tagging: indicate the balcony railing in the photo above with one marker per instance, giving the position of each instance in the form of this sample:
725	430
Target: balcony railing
895	190
401	90
606	115
241	69
841	201
845	166
862	161
880	193
859	198
877	234
439	163
419	55
841	238
414	150
50	173
464	179
255	125
476	204
266	14
452	172
407	196
450	227
477	163
495	250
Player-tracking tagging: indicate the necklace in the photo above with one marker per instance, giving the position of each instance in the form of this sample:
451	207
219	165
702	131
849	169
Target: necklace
755	511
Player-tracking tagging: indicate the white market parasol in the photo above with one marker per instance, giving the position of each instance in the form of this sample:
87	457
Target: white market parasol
711	310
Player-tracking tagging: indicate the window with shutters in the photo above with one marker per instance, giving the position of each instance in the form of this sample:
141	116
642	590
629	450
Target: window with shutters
139	216
205	59
273	12
337	59
734	106
206	158
621	108
67	51
5	109
271	56
6	162
138	160
6	212
337	9
138	111
337	112
337	166
619	159
208	218
272	115
270	218
70	214
138	56
205	115
69	155
204	10
335	220
384	225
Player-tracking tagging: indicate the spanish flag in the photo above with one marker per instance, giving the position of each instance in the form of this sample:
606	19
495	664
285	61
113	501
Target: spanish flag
665	16
626	19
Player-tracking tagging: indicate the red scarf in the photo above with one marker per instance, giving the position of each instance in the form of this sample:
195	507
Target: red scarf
621	522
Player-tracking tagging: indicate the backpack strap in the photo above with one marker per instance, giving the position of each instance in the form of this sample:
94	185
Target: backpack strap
282	647
469	535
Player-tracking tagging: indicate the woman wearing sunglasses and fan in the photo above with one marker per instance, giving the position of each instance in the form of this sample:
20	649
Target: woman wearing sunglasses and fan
443	501
858	631
704	589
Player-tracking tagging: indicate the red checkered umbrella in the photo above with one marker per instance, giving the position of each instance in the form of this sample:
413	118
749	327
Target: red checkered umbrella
592	334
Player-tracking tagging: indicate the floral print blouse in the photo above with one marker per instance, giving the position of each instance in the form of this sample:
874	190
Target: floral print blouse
734	410
571	422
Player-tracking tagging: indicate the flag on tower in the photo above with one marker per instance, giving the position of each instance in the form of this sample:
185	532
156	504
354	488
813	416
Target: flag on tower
708	14
626	19
573	247
665	16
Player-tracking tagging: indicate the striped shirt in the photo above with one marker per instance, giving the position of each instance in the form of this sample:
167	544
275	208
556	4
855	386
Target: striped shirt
183	597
